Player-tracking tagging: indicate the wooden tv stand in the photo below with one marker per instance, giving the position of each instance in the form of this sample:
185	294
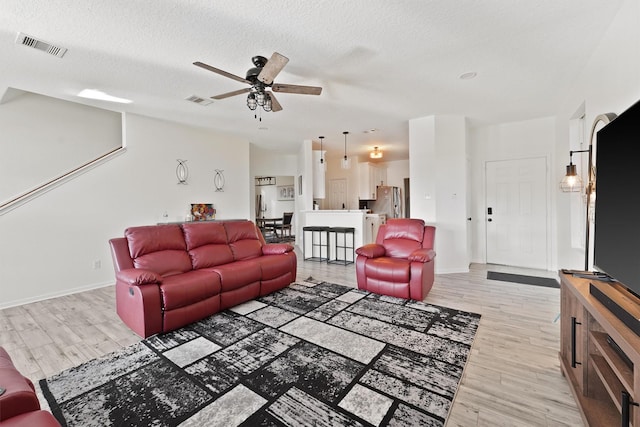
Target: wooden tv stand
597	374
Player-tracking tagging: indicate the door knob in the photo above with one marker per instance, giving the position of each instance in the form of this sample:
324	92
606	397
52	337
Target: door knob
489	220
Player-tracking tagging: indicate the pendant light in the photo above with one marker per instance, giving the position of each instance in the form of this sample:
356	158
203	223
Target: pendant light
322	163
346	162
376	153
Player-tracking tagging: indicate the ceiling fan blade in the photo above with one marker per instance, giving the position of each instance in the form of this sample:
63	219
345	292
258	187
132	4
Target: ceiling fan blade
230	94
274	65
304	90
222	73
275	105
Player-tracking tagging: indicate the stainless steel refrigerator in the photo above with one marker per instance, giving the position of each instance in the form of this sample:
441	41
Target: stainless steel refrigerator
388	202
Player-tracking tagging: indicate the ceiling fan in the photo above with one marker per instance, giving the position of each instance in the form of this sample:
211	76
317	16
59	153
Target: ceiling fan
260	78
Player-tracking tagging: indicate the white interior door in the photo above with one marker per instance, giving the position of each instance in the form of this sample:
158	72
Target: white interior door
516	212
338	194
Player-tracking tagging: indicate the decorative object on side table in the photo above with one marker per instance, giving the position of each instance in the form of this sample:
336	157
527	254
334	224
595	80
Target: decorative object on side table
218	180
182	172
202	211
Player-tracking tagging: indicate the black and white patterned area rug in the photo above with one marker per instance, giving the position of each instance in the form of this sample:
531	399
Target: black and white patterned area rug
314	354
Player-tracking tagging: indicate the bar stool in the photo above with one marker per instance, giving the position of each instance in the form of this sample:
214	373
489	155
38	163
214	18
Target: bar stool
316	242
344	247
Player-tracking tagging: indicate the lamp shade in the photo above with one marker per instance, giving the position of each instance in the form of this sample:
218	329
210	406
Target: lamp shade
571	182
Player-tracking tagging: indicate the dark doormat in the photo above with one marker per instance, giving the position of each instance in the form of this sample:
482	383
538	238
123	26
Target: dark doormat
519	278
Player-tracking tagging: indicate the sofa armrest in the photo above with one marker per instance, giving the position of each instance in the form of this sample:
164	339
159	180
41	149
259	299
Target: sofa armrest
138	276
19	396
422	255
276	248
372	250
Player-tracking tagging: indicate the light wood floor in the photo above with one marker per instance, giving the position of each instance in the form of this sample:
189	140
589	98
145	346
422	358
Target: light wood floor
512	378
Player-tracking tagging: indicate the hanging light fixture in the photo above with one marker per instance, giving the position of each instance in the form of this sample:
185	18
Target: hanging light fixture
322	153
346	162
375	154
267	103
251	101
572	182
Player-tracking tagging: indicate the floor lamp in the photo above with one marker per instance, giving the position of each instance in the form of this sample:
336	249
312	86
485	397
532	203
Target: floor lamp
591	185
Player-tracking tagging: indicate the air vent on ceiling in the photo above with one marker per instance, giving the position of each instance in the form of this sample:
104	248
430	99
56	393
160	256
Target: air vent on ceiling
198	100
33	42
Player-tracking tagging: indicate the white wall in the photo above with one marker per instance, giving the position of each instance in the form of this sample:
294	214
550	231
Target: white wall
335	171
437	158
268	163
49	137
397	171
517	140
50	244
610	82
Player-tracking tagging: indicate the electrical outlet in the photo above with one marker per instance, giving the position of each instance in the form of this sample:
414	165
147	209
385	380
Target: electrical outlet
97	264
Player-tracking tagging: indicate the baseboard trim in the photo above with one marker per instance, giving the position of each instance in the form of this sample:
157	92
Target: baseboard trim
23	301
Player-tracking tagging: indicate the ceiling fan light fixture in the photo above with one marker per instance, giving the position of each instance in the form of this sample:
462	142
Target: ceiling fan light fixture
346	162
260	79
251	101
376	153
267	103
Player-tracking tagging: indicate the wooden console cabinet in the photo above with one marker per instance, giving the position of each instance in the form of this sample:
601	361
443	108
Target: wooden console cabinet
597	374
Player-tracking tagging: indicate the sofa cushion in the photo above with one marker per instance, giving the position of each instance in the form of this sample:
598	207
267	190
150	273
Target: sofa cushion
273	266
388	269
399	228
243	240
159	248
400	248
402	237
200	234
153	238
207	244
188	288
238	274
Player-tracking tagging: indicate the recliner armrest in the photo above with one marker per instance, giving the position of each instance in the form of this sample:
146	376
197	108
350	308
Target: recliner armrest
372	250
276	248
138	276
422	255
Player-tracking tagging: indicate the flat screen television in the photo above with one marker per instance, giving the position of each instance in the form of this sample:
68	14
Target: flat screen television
617	210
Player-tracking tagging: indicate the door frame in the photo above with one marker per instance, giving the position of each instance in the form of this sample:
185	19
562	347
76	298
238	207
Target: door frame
550	206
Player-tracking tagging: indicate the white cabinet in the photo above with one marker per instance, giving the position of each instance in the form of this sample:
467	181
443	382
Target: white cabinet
372	223
370	176
318	175
380	174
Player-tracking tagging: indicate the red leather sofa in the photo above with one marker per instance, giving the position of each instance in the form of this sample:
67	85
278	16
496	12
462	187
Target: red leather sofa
19	405
400	263
168	276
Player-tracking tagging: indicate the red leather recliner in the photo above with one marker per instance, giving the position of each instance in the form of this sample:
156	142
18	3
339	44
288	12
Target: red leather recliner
19	405
400	263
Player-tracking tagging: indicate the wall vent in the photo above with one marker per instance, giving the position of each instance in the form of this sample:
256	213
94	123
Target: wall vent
35	43
198	100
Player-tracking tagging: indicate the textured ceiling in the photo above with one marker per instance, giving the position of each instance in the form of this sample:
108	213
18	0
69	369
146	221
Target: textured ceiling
380	62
